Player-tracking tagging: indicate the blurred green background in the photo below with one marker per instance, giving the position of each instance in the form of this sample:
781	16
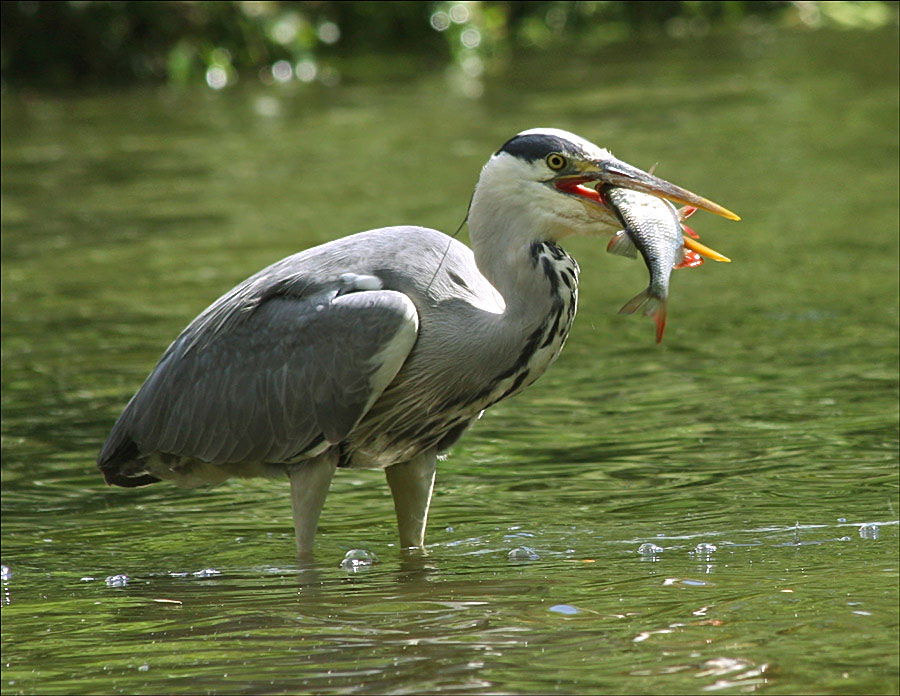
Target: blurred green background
64	44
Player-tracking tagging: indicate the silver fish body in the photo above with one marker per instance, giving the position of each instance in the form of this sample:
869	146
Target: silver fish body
653	228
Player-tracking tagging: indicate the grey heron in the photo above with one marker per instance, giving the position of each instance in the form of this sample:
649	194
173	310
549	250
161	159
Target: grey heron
379	349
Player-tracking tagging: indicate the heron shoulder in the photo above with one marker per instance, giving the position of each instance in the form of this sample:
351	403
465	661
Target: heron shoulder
404	258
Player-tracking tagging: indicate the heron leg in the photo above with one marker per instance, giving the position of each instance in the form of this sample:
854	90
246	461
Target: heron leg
411	485
309	486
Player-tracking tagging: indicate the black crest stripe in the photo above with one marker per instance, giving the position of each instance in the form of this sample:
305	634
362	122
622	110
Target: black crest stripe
536	146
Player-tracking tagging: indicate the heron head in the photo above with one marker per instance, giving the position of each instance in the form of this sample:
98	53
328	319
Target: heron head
548	179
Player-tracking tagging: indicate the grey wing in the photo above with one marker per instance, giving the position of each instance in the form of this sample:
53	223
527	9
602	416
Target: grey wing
294	374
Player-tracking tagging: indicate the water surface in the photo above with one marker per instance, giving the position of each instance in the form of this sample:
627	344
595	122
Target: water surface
756	447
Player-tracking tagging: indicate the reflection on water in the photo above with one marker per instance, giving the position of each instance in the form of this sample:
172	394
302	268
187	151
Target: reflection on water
463	621
717	513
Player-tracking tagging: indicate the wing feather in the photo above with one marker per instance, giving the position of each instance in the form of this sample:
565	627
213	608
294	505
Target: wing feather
271	383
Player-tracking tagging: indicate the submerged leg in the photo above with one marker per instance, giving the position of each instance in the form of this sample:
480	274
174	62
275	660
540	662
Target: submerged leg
411	485
309	486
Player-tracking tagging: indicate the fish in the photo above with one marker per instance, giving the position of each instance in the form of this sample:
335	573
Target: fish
653	227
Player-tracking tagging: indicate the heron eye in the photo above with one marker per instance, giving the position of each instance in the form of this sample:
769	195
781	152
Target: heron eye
556	161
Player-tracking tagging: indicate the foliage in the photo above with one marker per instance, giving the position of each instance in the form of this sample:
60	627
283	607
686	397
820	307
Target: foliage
72	43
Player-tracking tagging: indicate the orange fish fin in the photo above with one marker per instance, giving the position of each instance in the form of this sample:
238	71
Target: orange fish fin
690	231
660	318
690	259
685	212
651	306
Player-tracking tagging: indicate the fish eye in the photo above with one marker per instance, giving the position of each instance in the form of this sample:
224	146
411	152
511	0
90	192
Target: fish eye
556	161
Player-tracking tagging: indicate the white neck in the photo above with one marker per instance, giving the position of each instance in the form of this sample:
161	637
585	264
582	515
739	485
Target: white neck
538	285
502	231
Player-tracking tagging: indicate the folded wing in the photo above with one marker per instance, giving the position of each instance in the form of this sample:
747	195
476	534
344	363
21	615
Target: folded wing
266	382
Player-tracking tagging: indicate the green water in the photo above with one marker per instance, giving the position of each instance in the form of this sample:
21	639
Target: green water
766	424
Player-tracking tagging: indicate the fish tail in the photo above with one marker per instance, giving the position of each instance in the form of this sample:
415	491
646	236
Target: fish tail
652	305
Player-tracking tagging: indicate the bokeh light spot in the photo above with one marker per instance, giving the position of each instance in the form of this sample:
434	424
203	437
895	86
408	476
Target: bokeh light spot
440	21
329	76
285	29
472	66
471	38
306	70
265	75
328	32
216	77
556	18
267	106
282	71
221	57
459	14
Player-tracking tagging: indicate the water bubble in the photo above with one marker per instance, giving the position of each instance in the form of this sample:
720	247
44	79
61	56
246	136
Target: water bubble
5	573
704	549
841	519
845	538
518	535
144	668
566	609
117	580
650	549
523	553
683	582
206	573
869	531
356	560
86	578
693	583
